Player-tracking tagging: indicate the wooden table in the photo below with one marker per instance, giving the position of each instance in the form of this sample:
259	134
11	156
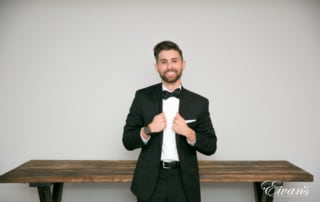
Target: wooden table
46	173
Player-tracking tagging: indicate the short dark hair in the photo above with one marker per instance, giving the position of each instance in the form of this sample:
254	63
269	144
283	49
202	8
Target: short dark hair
166	45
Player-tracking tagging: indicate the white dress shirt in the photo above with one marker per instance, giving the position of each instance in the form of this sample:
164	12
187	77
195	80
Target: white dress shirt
170	107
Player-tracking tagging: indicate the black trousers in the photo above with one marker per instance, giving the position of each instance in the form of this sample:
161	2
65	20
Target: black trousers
169	187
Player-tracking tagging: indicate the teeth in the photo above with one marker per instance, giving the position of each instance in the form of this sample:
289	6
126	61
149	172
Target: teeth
171	72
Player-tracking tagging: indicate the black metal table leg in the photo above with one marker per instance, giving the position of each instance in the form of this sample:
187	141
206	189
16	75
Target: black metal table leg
45	194
264	191
257	191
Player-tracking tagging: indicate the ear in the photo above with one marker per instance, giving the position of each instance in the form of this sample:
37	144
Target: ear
184	64
156	67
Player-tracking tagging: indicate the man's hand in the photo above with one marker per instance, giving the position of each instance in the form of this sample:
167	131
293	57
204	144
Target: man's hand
158	123
180	127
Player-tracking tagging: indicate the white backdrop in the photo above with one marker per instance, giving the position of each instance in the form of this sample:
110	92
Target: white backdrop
69	70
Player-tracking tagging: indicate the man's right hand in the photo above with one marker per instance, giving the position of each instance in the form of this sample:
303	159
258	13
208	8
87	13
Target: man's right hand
158	123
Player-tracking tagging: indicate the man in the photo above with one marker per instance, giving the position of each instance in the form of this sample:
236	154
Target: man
169	123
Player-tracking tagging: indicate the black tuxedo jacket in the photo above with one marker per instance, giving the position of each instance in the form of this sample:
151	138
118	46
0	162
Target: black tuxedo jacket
146	104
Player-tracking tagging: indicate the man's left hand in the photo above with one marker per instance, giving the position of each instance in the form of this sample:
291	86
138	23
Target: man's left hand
180	127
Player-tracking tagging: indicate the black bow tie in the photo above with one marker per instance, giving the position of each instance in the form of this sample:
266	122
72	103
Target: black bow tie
176	93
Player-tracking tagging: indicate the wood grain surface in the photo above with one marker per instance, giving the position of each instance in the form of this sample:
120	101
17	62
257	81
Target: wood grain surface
70	171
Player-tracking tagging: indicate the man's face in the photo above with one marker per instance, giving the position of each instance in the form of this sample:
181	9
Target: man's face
170	66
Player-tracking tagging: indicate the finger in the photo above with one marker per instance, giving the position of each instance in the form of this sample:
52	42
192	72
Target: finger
176	118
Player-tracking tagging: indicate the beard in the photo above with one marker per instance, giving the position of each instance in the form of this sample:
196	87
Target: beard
171	79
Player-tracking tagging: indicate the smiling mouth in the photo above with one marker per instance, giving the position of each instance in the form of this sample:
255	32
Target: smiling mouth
170	73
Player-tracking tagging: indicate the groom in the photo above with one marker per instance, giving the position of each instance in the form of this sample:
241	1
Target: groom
170	124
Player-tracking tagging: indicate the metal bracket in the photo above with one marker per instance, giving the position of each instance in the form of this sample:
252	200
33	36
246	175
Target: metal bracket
45	192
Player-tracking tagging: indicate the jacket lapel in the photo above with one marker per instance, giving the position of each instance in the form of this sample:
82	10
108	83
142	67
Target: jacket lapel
183	109
157	98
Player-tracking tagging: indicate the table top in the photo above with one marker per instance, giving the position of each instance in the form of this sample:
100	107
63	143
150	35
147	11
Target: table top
73	171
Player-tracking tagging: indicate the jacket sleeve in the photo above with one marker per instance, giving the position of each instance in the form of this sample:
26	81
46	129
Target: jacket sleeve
131	138
206	140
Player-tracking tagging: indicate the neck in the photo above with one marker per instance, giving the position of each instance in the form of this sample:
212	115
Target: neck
171	86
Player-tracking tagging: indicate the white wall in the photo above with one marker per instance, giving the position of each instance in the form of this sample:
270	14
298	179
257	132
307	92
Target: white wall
69	70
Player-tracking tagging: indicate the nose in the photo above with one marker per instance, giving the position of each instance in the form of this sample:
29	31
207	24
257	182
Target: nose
170	66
